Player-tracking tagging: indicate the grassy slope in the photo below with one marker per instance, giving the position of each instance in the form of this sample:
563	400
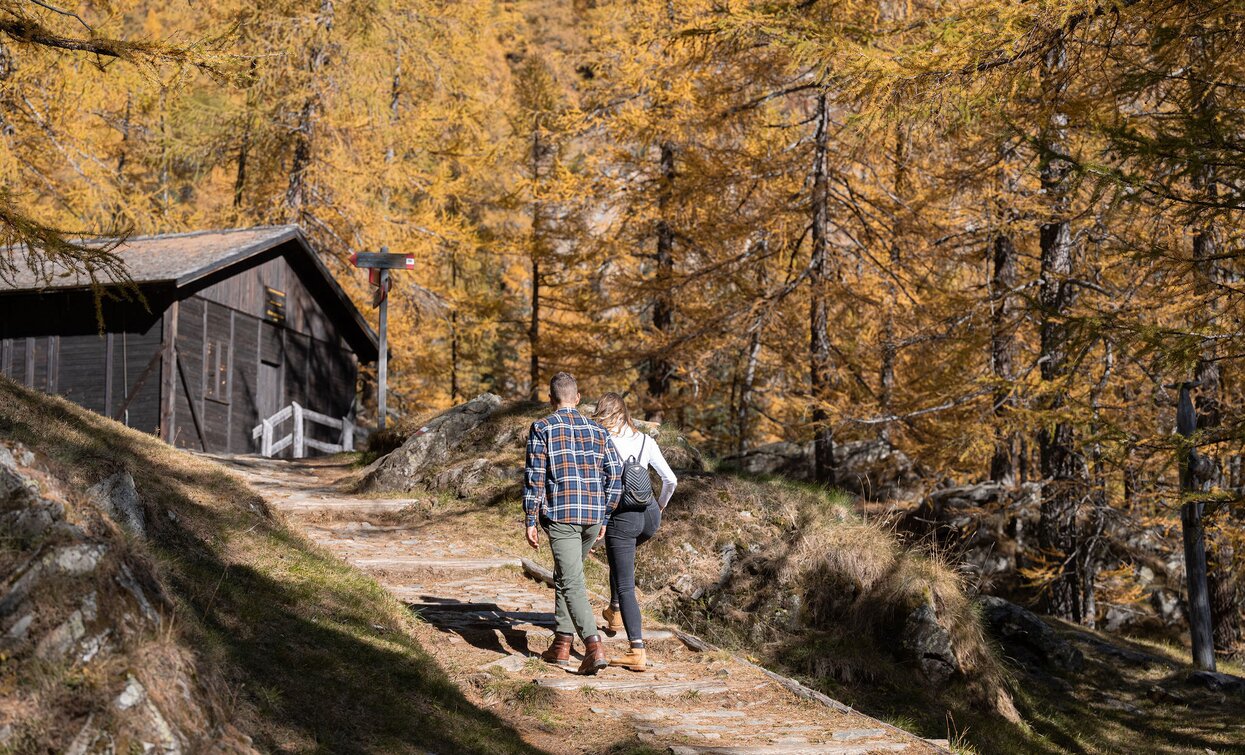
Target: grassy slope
314	655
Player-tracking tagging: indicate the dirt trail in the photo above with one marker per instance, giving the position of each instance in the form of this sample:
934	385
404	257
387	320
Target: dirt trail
486	619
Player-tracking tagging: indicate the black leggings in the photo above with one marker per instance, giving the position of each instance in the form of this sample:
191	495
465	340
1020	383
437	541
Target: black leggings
626	531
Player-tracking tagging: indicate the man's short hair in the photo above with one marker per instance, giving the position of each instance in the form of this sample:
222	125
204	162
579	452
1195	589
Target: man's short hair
562	388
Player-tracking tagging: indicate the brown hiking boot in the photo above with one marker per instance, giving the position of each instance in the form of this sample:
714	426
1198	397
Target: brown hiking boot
613	621
559	652
594	656
634	659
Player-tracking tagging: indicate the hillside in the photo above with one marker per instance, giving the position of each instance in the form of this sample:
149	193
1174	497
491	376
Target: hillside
215	618
792	577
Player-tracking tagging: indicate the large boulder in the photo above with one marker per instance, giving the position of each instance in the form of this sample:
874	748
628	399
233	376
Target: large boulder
1027	638
429	447
873	469
782	459
928	641
988	524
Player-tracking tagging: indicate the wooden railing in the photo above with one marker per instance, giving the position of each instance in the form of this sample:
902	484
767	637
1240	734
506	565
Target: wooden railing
270	446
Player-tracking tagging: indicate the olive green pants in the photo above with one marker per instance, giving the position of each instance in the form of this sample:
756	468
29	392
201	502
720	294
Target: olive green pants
570	544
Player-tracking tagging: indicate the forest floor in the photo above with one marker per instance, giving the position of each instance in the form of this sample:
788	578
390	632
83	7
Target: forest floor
484	620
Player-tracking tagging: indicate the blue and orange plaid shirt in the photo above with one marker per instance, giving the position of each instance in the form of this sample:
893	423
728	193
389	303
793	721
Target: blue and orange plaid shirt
574	473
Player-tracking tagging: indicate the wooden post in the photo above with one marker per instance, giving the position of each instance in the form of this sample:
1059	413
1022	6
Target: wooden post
168	373
265	439
382	367
347	434
300	437
1200	624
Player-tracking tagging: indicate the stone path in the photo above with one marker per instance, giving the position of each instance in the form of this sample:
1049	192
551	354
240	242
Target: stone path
494	616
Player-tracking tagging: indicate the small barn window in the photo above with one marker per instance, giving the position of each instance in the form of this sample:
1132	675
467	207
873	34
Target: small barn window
216	370
274	306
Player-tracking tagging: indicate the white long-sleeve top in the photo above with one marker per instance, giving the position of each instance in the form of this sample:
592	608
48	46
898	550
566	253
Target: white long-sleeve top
646	451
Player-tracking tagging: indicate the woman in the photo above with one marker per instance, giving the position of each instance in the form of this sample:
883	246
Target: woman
628	529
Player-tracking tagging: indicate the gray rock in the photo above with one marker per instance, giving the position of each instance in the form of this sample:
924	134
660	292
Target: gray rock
1217	682
404	468
133	694
1168	606
781	458
682	584
987	523
1027	638
927	641
870	468
118	496
18	631
57	643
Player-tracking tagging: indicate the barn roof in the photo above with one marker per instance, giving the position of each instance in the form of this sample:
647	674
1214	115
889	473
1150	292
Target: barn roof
184	259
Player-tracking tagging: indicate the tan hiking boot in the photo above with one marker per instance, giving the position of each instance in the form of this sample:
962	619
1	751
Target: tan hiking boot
559	652
634	659
594	657
613	621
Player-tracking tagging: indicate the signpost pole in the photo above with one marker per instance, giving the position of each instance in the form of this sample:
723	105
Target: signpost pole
382	368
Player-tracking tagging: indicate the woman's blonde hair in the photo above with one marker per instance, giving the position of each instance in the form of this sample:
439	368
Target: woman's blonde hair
612	412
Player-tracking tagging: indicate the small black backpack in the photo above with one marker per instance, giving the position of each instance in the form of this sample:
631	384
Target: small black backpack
637	485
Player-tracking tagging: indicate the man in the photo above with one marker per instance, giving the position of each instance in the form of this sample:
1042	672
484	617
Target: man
573	482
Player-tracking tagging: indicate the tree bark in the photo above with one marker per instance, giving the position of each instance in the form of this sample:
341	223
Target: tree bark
1003	464
317	58
819	334
659	367
536	252
1063	466
886	378
745	390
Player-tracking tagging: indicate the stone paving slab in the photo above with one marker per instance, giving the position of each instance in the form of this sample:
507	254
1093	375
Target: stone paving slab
659	687
416	562
831	748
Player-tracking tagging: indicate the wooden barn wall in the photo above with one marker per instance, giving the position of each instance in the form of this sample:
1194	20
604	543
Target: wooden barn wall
245	293
241	368
52	343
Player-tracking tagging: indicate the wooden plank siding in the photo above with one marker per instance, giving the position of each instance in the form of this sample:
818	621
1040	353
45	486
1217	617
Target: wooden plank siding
199	362
229	351
98	371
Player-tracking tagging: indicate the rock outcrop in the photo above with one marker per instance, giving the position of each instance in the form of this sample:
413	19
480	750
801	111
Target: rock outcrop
428	447
1027	638
991	529
873	469
77	602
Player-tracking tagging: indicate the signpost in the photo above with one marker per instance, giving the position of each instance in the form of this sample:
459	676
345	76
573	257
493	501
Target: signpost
378	265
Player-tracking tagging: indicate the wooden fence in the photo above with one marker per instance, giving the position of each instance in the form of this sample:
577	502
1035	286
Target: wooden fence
270	446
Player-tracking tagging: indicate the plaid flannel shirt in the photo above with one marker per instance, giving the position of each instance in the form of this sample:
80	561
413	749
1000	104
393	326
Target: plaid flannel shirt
573	472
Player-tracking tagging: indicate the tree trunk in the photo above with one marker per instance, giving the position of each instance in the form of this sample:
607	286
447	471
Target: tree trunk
819	334
745	390
537	253
886	380
454	346
317	58
1003	464
1063	466
1224	582
659	366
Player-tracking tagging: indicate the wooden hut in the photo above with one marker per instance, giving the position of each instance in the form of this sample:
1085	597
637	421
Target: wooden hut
234	326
